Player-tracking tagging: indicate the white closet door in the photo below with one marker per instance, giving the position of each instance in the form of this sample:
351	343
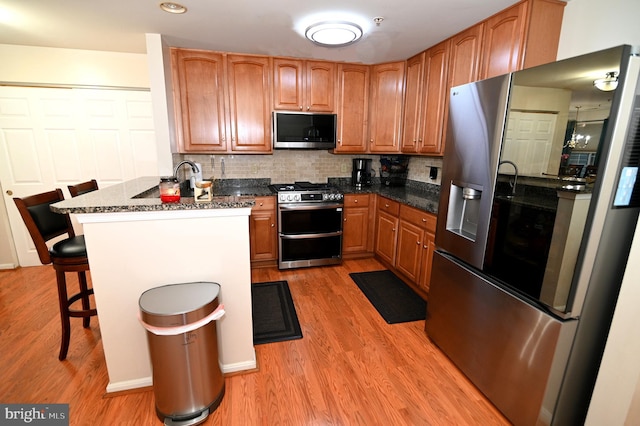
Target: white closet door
54	137
528	142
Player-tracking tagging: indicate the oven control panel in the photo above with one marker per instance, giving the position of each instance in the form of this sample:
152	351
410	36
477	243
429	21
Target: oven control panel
309	197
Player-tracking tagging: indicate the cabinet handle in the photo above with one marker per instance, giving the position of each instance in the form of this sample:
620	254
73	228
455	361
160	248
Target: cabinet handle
424	220
261	204
355	201
300	107
394	229
371	141
418	243
386	206
345	219
424	247
308	108
273	225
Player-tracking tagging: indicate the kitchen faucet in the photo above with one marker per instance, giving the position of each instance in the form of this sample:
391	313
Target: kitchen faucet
197	173
515	176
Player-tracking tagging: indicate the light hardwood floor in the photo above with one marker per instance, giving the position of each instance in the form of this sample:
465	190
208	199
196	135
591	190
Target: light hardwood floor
350	368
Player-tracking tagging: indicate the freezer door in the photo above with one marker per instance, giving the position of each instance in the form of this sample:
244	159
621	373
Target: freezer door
514	353
476	124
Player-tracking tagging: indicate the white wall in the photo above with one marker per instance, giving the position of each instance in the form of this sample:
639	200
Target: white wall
591	25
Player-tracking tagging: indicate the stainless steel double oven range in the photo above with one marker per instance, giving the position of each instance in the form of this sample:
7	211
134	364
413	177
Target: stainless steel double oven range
309	224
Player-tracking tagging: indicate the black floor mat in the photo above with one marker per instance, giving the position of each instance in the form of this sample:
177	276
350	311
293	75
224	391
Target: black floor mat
392	298
274	315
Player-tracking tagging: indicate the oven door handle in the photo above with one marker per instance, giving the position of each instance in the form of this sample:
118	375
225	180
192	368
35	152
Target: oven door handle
311	206
309	236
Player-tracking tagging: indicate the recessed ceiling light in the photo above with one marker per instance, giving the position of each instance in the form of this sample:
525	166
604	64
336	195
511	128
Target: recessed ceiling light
173	7
333	34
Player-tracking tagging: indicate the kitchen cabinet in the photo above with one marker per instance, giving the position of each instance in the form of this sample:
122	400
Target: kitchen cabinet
405	242
386	229
426	100
353	100
522	36
412	120
358	225
416	230
465	55
263	232
222	102
200	105
249	86
300	85
385	107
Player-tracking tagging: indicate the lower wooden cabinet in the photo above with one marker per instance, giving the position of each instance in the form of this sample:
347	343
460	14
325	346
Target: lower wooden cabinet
405	241
263	232
358	225
416	230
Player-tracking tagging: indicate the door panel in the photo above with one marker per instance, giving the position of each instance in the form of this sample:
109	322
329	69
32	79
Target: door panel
51	138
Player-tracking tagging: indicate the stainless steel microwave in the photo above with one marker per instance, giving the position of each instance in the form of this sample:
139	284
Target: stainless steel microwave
304	130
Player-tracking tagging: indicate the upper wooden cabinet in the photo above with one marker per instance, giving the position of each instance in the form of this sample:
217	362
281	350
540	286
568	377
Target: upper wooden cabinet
222	102
353	99
521	36
303	85
465	55
249	85
385	107
199	98
425	100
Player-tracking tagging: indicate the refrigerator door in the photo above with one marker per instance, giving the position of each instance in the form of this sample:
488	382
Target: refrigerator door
477	114
513	352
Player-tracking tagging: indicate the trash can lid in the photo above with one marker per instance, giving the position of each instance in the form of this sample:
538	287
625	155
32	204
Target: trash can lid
175	299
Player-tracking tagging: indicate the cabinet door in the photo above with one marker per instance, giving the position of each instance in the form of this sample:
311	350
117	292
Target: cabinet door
287	84
411	124
428	247
385	108
320	86
353	98
464	59
355	231
503	41
435	98
262	230
410	240
249	79
387	226
201	117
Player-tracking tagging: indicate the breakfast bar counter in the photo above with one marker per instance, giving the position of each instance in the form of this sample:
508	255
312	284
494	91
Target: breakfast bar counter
135	242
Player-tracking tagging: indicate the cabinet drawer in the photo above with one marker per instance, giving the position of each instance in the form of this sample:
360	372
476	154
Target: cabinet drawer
389	206
424	220
265	203
356	200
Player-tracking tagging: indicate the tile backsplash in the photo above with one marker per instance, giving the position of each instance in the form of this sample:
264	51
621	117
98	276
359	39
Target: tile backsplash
285	166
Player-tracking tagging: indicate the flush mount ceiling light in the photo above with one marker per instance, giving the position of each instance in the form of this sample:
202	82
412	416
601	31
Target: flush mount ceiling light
333	34
173	7
607	84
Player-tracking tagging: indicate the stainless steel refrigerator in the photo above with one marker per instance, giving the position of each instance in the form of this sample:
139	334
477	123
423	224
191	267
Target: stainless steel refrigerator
538	206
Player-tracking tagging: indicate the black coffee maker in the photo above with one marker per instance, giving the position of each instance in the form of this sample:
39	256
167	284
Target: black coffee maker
361	173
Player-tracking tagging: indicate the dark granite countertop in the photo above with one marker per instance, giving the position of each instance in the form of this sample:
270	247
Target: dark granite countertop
139	195
421	195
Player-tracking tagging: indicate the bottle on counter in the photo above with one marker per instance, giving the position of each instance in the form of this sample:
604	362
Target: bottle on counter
169	189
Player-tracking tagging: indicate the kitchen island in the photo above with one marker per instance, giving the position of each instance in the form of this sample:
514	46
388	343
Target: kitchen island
135	242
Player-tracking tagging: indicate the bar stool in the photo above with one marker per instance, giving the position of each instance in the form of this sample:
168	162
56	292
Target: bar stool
68	255
83	187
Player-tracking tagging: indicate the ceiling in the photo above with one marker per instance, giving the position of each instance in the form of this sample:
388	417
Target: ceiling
244	26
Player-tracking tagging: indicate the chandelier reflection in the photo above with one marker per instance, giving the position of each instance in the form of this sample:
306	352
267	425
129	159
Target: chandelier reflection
577	140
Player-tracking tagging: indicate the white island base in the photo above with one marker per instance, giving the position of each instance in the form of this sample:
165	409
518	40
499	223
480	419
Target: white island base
130	252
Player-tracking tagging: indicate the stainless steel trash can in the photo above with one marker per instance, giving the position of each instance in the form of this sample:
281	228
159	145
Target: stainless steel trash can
180	320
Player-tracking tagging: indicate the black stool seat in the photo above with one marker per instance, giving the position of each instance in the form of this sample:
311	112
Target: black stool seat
70	247
68	255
